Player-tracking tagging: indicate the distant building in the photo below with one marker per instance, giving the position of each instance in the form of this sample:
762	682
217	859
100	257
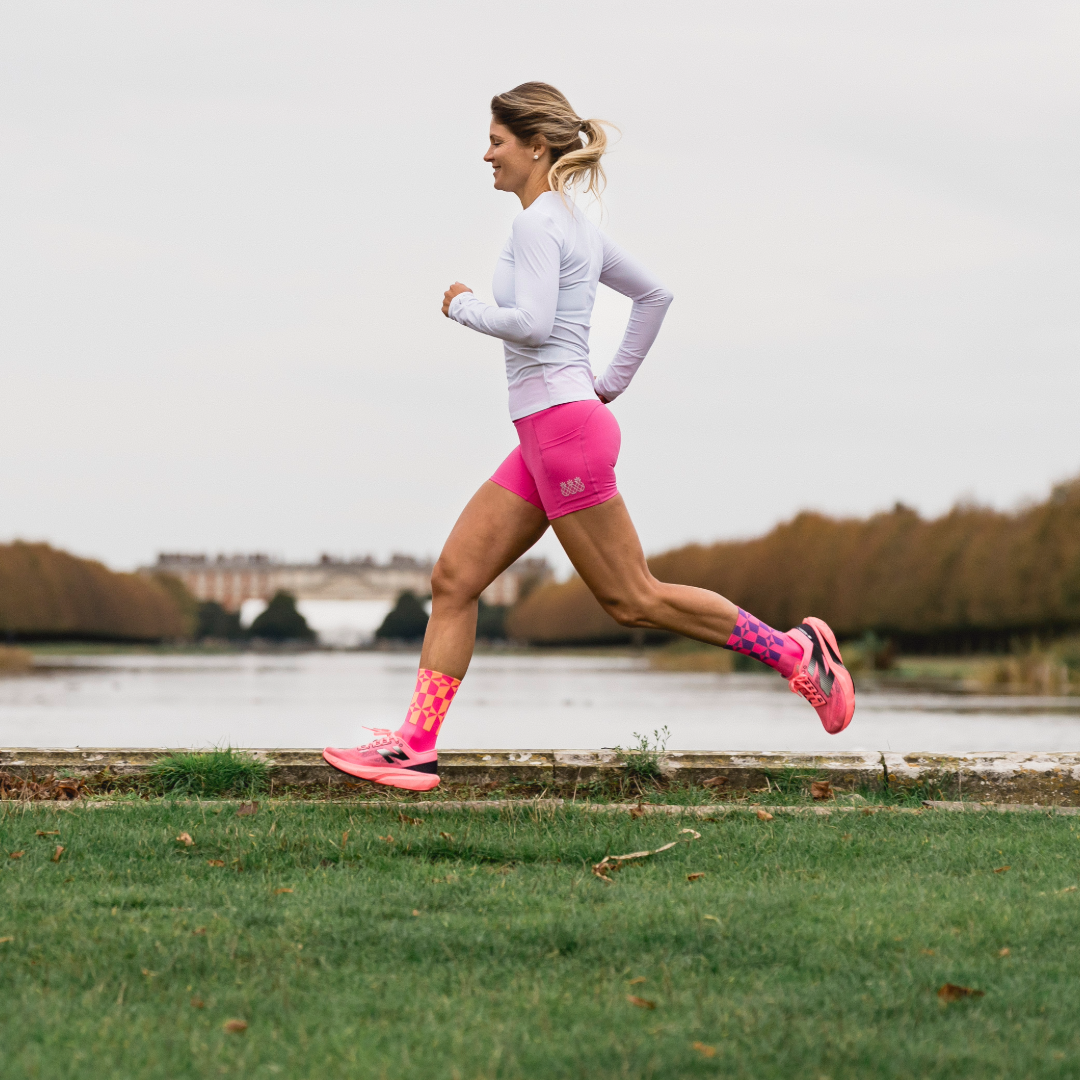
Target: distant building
233	579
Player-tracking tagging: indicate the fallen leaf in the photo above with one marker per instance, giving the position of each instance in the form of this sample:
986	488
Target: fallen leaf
149	974
185	839
42	832
694	877
278	892
406	820
928	952
215	862
704	1049
1068	888
711	918
16	854
867	812
198	1003
641	1003
821	789
5	940
344	839
694	834
447	836
388	839
1002	869
764	815
637	811
952	992
58	852
235	1026
1003	952
199	930
416	913
246	810
632	982
715	782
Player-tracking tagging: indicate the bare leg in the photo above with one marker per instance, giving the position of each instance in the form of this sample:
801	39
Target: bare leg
603	545
495	529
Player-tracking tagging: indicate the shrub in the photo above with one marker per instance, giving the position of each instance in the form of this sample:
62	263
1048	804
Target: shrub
214	772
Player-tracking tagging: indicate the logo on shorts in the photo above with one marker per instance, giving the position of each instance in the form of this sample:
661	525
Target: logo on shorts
572	487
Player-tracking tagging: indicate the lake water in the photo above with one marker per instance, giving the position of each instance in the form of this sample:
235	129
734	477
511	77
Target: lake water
507	702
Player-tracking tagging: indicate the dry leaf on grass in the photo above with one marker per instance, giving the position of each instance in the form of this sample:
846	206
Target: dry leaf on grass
198	1003
764	815
1001	869
711	918
641	1003
636	982
704	1049
58	852
406	820
199	930
715	782
149	974
952	992
1003	952
185	839
235	1026
695	877
637	811
609	863
5	940
821	789
344	839
416	914
16	854
1068	888
928	952
388	839
47	832
278	892
215	862
446	836
247	809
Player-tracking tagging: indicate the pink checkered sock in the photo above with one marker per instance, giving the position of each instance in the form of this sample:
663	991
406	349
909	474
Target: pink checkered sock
432	697
752	637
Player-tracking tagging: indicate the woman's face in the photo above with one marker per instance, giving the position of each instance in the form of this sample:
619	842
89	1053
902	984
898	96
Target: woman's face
511	161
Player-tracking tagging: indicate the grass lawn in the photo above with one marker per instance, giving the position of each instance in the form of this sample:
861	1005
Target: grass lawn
481	945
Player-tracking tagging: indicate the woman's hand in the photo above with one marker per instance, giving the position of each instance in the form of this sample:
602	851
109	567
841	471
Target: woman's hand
449	295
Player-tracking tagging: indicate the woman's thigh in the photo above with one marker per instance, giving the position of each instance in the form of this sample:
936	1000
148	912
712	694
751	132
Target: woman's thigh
494	530
603	545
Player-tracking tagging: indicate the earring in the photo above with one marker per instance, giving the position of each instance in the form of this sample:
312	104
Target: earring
536	157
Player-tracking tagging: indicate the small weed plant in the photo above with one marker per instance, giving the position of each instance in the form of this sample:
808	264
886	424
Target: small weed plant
641	763
213	772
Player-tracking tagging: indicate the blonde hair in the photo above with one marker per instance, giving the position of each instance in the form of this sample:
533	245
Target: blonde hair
536	108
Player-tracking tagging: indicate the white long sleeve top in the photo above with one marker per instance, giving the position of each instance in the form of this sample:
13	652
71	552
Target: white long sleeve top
544	288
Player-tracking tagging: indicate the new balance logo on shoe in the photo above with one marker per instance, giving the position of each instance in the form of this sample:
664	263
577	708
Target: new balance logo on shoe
390	754
572	487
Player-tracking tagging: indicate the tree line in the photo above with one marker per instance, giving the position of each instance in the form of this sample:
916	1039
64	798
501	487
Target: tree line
973	578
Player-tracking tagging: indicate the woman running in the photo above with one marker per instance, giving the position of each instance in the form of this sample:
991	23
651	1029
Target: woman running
562	473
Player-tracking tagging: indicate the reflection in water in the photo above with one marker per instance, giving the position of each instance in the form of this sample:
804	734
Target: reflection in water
507	702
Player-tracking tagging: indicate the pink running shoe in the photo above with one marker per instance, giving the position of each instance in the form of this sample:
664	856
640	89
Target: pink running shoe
388	759
821	677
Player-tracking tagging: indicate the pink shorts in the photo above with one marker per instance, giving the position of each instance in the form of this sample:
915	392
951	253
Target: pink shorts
566	458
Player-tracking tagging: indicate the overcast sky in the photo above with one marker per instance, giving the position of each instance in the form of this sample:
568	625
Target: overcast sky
226	229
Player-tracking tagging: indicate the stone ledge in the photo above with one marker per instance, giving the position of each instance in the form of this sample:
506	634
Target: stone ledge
1013	776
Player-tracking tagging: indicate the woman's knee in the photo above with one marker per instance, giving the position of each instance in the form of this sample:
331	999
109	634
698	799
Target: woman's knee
451	582
633	607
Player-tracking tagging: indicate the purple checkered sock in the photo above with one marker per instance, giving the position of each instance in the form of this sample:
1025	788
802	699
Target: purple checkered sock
752	637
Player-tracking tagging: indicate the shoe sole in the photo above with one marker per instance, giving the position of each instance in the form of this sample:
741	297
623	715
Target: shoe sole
841	673
399	778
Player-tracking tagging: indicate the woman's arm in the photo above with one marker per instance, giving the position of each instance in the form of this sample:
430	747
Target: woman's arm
536	288
651	301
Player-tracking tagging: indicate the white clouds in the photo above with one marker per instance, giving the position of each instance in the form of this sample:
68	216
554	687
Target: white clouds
227	229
